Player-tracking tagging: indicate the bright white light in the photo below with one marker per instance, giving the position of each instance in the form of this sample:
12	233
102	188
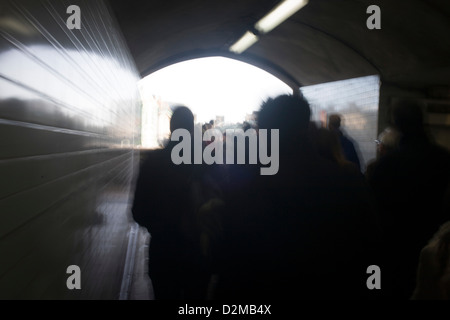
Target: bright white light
245	42
214	86
270	21
279	14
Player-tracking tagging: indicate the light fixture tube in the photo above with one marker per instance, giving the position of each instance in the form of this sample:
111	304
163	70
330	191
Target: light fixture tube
245	42
279	14
270	21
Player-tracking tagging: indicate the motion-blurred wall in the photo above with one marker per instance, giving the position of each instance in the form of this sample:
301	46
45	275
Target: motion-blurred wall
69	121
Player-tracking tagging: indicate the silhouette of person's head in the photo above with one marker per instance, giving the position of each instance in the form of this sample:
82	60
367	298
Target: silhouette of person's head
290	114
388	141
407	117
334	122
182	118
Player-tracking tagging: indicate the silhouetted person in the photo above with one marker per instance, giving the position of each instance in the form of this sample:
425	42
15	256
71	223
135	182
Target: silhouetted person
433	272
348	147
410	186
329	146
387	142
166	203
304	233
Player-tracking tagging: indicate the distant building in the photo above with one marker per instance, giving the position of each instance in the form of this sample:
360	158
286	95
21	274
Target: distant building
155	127
149	122
220	120
251	117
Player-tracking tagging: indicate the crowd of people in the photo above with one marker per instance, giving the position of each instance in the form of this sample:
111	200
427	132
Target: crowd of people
308	232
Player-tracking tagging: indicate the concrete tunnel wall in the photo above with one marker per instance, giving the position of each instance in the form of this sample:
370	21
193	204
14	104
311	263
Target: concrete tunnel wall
69	118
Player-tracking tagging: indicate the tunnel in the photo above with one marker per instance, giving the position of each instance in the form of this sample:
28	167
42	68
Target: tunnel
71	112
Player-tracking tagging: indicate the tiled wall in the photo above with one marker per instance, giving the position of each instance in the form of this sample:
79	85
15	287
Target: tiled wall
357	101
69	117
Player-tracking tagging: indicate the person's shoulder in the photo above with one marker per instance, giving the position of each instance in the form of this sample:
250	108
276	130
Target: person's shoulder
348	140
352	169
440	159
387	166
440	151
153	158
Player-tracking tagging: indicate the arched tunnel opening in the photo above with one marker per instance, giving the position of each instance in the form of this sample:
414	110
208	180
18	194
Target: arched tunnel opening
218	89
86	93
210	85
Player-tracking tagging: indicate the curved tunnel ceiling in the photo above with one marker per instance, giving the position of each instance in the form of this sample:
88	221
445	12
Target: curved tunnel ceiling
325	41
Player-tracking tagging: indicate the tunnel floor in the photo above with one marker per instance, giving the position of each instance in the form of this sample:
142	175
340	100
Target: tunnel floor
141	286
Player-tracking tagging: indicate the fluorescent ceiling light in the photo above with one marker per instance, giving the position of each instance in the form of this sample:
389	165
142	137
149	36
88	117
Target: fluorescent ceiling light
279	14
270	21
245	42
